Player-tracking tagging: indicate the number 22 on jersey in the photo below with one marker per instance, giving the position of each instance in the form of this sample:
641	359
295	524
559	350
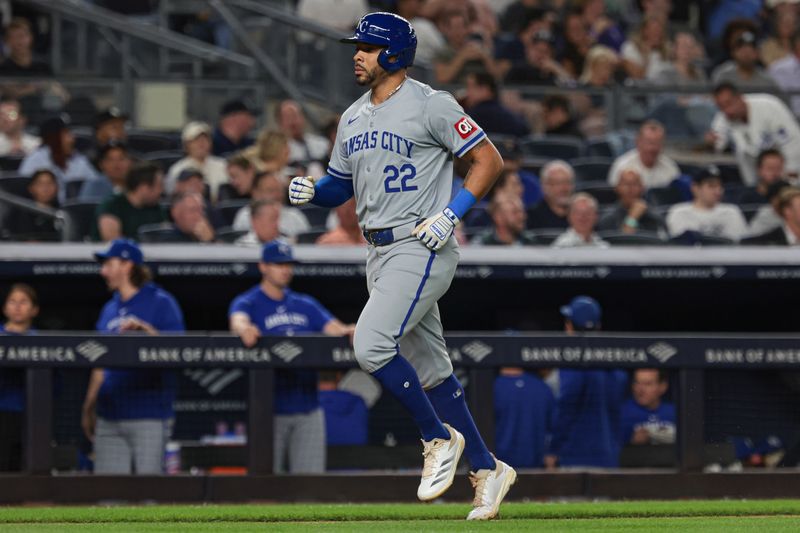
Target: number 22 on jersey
391	174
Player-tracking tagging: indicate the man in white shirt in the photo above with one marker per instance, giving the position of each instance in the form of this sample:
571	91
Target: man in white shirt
196	137
14	141
786	72
656	169
752	123
706	214
582	220
304	146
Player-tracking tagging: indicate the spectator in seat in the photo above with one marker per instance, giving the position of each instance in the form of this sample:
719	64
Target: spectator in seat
646	53
305	147
602	29
577	44
232	134
347	231
23	225
57	154
429	39
128	413
189	221
122	214
743	68
196	137
271	153
524	408
20	308
780	44
706	214
769	170
482	104
582	217
114	162
586	430
19	45
767	217
788	234
263	223
528	23
508	223
557	117
241	177
751	123
109	127
786	71
655	168
646	418
464	53
558	184
686	67
631	214
14	140
271	308
539	66
268	186
512	164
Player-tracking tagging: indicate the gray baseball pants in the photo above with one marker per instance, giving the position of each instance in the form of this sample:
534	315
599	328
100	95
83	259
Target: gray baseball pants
126	446
299	443
405	280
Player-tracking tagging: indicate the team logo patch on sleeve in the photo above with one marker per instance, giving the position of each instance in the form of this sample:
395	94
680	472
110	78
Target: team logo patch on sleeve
465	127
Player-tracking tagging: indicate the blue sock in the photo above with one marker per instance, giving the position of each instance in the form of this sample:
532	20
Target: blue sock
400	378
451	405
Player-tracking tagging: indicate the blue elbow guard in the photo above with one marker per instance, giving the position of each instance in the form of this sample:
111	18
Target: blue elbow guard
331	192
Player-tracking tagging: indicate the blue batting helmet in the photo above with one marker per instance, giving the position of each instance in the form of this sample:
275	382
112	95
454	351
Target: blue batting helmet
390	31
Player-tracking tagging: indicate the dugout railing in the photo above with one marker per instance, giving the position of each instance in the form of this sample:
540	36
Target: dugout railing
479	353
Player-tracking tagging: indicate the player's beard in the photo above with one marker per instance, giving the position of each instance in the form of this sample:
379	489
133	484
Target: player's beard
370	78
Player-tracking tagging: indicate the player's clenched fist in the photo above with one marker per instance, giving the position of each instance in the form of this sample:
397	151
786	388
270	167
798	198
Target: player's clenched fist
436	230
301	190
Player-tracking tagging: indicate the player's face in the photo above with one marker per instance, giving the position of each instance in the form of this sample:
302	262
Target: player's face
647	390
115	271
19	309
366	69
278	274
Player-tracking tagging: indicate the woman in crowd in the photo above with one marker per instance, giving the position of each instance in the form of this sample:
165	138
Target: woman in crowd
24	225
646	53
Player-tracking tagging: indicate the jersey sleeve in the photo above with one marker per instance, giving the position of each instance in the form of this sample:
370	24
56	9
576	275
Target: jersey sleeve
318	316
170	317
450	125
339	165
241	304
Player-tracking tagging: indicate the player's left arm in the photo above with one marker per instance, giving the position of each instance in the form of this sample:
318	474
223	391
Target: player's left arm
485	167
337	328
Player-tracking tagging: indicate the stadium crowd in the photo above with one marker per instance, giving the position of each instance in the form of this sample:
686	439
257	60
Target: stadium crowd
577	188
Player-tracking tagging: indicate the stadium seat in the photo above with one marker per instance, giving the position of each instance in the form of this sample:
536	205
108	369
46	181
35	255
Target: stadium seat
664	196
591	168
533	164
750	210
552	147
690	169
310	237
82	219
73	188
228	209
317	216
640	238
546	236
152	141
729	172
226	192
164	158
17	185
734	191
154	233
10	163
84	138
478	217
600	147
229	235
600	190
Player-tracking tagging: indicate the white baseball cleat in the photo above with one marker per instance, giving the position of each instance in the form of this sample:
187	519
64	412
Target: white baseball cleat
441	460
491	486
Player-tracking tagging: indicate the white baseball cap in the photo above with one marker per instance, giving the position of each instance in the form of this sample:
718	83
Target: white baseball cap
194	129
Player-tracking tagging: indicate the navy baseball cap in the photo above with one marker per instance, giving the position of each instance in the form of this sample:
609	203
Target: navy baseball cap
123	249
277	251
583	311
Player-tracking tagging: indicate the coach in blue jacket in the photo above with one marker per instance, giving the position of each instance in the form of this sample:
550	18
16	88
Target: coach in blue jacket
271	308
128	413
587	427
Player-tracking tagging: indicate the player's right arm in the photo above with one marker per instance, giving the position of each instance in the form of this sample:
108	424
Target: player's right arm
89	410
241	326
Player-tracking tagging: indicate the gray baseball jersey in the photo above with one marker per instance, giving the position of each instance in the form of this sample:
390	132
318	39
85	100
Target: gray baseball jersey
399	153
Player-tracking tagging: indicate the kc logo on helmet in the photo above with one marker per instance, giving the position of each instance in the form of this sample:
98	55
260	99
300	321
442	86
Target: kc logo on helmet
465	128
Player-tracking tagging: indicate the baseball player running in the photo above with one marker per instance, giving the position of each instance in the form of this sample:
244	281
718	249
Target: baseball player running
394	153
